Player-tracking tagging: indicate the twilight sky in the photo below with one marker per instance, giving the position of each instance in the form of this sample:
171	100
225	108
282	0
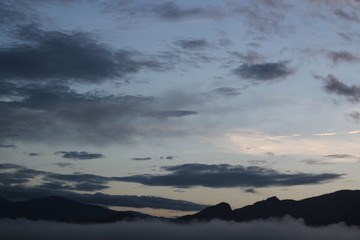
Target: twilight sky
169	106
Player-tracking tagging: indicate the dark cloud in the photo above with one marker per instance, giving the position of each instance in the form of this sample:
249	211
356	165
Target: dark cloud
315	162
342	56
264	72
352	16
225	91
193	44
258	162
224	42
227	176
141	159
354	116
60	186
140	201
251	57
343	156
345	36
24	193
54	181
80	155
75	56
279	229
2	145
172	11
31	154
335	86
250	190
263	16
169	157
60	164
339	156
13	176
171	113
9	15
48	112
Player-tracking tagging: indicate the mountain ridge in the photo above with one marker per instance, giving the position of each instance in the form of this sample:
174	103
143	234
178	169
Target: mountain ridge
340	206
330	208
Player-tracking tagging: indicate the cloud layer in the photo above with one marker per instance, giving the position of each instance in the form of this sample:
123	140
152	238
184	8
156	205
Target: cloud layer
272	230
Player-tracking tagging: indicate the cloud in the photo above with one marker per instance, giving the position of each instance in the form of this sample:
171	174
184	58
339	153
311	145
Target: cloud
2	145
325	134
48	112
225	92
193	44
342	56
227	176
251	57
17	174
264	16
74	155
75	56
172	11
60	164
353	17
250	190
24	193
141	159
335	86
56	113
9	15
354	116
171	113
282	229
14	180
264	72
316	162
343	158
31	154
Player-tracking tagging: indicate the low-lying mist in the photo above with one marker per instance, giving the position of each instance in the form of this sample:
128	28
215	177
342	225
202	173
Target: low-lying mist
258	230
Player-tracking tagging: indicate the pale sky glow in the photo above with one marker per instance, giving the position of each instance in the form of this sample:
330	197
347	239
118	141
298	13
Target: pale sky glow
193	101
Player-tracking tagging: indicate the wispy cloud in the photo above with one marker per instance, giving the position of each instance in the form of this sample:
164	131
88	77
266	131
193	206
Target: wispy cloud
335	86
325	134
264	72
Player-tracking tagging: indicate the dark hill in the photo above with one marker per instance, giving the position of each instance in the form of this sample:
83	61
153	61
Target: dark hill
341	206
219	211
59	209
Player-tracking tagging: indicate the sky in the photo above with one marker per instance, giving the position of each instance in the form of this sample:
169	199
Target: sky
166	107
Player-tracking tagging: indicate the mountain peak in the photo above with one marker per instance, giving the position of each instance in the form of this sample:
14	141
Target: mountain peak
272	199
217	211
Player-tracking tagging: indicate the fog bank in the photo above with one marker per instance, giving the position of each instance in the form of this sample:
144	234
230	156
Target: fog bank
258	230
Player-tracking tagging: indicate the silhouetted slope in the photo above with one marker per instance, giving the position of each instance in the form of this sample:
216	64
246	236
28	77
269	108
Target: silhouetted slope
59	209
269	208
219	211
341	206
4	201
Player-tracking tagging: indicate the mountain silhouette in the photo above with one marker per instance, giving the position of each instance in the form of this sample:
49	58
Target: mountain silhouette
219	211
60	209
340	206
